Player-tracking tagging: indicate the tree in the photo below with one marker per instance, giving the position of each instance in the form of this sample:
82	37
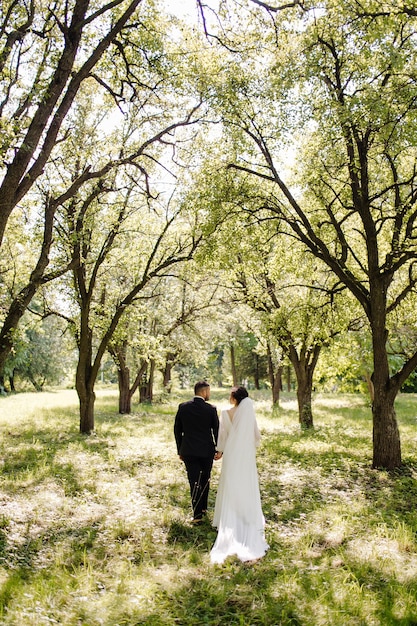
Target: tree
46	58
100	255
45	358
342	85
119	348
188	312
294	300
113	139
167	329
296	303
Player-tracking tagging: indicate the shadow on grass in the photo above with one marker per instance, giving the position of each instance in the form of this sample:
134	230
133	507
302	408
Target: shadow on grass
187	536
234	594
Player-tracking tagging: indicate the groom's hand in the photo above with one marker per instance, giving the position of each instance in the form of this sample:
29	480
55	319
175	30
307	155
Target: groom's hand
218	455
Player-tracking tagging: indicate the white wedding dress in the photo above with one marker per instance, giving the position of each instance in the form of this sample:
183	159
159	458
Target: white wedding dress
238	512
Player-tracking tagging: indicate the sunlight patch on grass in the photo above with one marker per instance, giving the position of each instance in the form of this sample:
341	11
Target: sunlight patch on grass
289	404
317	447
85	464
385	556
124	499
292	476
340	401
14	407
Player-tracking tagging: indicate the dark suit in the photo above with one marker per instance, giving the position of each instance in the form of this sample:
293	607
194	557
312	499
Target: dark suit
196	429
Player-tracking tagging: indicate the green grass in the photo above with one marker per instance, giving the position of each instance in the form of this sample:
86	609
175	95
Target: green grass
94	530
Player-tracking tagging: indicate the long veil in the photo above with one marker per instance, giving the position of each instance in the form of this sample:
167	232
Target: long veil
239	464
238	512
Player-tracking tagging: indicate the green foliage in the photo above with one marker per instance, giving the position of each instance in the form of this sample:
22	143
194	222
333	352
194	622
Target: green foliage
350	113
248	355
346	364
93	156
46	357
41	353
410	385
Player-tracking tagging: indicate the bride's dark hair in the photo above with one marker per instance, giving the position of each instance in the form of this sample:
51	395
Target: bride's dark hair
239	393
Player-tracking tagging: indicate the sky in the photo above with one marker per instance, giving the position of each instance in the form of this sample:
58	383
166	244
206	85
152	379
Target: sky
187	8
182	8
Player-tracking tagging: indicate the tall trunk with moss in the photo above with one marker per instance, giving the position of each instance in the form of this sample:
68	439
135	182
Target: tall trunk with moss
275	377
84	382
167	371
304	365
386	436
233	364
119	354
146	388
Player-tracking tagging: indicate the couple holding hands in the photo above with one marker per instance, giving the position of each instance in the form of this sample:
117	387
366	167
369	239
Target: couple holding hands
200	439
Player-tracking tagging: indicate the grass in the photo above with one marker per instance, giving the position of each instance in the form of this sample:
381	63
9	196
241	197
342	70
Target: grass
94	530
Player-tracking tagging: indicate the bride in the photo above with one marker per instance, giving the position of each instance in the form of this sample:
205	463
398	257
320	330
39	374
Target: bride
237	512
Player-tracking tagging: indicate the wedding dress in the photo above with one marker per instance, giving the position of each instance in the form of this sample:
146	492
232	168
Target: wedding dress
238	512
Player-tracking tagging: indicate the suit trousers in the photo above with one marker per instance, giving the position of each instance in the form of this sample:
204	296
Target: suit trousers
198	472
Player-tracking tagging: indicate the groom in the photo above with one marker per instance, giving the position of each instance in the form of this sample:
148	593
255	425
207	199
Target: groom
196	429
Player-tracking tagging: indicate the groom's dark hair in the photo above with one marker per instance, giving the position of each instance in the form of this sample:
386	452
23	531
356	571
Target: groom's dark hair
200	385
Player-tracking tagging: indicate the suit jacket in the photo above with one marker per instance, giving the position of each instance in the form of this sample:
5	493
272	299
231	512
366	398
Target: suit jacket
196	428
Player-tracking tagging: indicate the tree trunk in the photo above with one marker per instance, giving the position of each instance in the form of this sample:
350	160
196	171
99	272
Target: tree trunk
84	381
256	373
288	372
386	436
304	366
85	390
277	386
87	398
125	397
142	393
304	395
167	374
139	377
146	389
275	377
119	353
218	356
35	383
151	381
143	382
126	392
233	364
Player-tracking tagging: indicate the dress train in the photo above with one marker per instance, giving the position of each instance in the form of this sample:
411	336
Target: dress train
238	511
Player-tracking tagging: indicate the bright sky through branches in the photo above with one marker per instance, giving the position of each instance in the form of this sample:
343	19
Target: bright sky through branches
188	9
183	8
